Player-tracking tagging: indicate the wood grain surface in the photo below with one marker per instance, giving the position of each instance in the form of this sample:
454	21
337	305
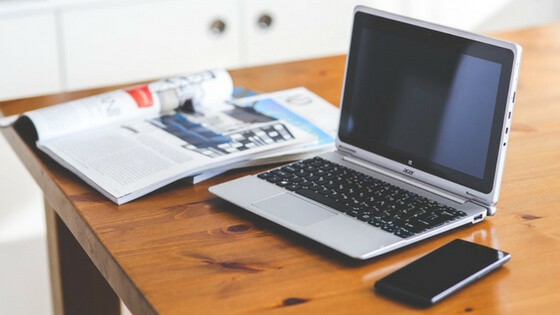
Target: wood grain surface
180	250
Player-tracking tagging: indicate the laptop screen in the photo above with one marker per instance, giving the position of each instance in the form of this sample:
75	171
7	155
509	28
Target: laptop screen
427	99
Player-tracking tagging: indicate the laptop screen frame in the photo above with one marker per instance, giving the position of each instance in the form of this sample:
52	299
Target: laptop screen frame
486	190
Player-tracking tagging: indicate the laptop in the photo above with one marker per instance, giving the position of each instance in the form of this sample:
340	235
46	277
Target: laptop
425	119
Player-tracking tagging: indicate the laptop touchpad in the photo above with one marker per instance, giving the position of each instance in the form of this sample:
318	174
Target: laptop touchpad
294	209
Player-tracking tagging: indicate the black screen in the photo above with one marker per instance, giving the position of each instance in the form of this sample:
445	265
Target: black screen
426	99
441	269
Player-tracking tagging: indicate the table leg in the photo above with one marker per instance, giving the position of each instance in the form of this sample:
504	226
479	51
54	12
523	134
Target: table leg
77	286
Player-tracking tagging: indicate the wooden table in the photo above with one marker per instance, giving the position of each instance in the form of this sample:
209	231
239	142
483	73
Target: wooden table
182	251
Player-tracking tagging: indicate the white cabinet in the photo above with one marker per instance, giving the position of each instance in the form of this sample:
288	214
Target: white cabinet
118	43
29	63
295	29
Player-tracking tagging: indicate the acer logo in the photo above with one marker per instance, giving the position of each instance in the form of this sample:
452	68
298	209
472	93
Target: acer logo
407	171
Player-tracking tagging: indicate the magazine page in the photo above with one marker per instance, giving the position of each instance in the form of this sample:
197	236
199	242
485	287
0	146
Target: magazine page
74	116
302	108
189	92
128	159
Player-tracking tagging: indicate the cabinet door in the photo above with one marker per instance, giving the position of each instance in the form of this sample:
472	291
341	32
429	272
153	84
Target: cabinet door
295	29
120	43
28	55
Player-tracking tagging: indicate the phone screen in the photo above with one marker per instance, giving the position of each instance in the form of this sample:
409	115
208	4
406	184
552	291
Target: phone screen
441	272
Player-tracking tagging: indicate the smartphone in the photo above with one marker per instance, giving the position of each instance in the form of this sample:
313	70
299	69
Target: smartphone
440	273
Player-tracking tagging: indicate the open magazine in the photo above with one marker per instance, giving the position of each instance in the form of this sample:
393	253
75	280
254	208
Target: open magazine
127	143
297	106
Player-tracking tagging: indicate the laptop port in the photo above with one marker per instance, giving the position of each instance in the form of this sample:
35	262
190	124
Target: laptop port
478	218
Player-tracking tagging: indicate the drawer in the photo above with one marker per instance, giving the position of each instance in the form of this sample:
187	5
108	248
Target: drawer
135	41
296	29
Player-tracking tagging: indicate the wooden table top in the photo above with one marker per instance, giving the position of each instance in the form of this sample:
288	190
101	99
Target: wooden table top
181	250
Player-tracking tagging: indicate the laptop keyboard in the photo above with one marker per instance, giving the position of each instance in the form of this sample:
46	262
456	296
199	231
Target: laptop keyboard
363	197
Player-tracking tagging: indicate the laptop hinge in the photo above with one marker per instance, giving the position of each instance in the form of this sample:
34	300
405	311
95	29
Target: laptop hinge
414	183
490	209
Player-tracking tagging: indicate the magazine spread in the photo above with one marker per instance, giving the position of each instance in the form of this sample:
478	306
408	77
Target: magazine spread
127	143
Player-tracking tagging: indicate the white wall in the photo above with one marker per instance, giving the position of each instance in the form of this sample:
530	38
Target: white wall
481	16
24	285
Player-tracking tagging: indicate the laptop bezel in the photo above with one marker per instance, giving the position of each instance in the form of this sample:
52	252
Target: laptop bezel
422	178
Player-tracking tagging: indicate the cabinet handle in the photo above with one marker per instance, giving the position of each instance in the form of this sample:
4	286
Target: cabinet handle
264	21
218	27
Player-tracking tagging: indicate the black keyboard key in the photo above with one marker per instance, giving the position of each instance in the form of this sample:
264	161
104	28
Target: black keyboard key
273	179
376	222
305	183
365	217
282	174
298	166
415	225
322	199
282	183
438	221
403	233
316	163
315	187
289	169
293	187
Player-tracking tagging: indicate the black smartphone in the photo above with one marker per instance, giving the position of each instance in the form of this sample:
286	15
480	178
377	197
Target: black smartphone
440	273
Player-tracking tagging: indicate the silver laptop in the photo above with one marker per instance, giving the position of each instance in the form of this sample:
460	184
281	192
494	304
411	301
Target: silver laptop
425	119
